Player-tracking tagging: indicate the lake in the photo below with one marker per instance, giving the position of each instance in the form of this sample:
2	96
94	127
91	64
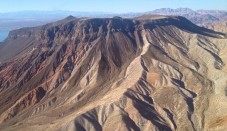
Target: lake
3	35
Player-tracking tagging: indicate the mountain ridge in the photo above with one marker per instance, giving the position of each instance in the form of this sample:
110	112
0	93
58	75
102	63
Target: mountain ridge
17	20
145	73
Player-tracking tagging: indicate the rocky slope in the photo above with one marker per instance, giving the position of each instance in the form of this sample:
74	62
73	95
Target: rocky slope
218	26
146	73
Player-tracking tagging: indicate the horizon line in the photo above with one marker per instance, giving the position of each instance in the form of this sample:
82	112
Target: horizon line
106	12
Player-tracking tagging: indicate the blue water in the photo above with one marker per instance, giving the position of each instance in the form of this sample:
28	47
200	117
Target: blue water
3	35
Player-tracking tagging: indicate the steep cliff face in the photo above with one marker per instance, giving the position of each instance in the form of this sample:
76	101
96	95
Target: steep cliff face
146	73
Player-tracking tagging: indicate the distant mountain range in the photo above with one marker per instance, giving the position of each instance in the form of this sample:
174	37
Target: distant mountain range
14	20
197	17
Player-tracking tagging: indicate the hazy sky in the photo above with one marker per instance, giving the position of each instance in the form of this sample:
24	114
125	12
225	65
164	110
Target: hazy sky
117	6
